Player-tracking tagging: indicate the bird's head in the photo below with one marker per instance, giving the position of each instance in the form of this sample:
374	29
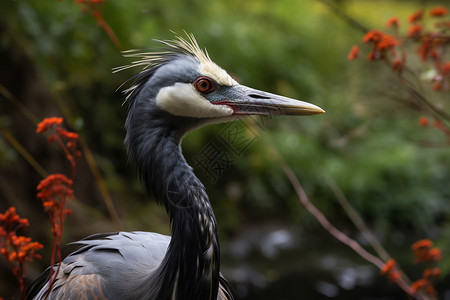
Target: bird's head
183	88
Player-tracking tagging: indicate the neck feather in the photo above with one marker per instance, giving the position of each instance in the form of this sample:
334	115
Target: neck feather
190	268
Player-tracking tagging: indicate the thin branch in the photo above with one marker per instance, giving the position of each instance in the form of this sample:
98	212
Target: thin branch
100	183
320	217
19	105
339	235
356	219
352	22
23	152
107	199
425	103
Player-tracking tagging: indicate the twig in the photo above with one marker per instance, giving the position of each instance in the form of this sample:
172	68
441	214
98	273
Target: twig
339	235
319	216
344	16
107	199
100	183
23	152
342	237
19	105
356	219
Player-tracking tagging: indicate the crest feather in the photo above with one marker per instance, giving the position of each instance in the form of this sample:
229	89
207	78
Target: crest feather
175	47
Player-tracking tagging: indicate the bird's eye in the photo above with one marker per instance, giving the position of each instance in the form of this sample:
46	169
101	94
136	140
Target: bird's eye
204	85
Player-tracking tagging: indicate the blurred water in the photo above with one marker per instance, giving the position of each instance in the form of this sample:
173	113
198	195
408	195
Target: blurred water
275	262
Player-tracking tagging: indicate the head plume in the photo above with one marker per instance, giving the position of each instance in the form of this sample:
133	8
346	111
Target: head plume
174	47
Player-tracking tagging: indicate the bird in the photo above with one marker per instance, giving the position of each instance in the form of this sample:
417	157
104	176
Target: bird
177	90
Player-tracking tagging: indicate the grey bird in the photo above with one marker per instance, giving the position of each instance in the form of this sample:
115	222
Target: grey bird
178	90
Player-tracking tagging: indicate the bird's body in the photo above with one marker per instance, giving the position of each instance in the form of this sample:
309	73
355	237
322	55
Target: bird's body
178	90
104	262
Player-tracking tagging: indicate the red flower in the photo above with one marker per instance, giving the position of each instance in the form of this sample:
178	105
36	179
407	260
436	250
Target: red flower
11	221
353	53
47	123
423	252
419	284
445	69
15	248
423	121
414	31
387	42
373	36
53	186
415	16
435	272
382	41
388	267
438	11
390	271
393	22
434	254
425	243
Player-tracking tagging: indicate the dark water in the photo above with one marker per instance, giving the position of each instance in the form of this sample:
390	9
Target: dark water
279	263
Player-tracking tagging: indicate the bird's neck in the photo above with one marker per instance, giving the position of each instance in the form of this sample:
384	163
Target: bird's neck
190	268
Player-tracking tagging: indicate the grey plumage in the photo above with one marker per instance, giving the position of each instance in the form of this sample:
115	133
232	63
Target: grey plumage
178	90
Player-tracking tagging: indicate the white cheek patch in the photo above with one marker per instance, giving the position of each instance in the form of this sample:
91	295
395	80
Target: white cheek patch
213	71
182	99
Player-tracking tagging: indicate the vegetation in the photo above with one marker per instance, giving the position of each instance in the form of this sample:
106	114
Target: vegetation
383	142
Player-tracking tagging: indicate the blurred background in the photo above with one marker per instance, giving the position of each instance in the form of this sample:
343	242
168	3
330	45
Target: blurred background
56	59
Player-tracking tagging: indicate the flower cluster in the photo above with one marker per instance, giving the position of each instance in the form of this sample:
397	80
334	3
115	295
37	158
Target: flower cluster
431	44
17	249
56	189
424	122
53	191
391	271
381	44
66	139
425	253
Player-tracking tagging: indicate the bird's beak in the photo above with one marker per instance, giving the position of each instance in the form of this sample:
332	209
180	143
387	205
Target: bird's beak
248	101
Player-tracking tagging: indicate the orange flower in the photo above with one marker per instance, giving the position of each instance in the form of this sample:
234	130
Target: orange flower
67	134
47	123
381	41
390	271
353	53
425	243
445	69
423	121
419	284
389	266
435	254
11	221
414	31
439	11
54	185
393	22
386	42
431	272
373	36
415	16
394	275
